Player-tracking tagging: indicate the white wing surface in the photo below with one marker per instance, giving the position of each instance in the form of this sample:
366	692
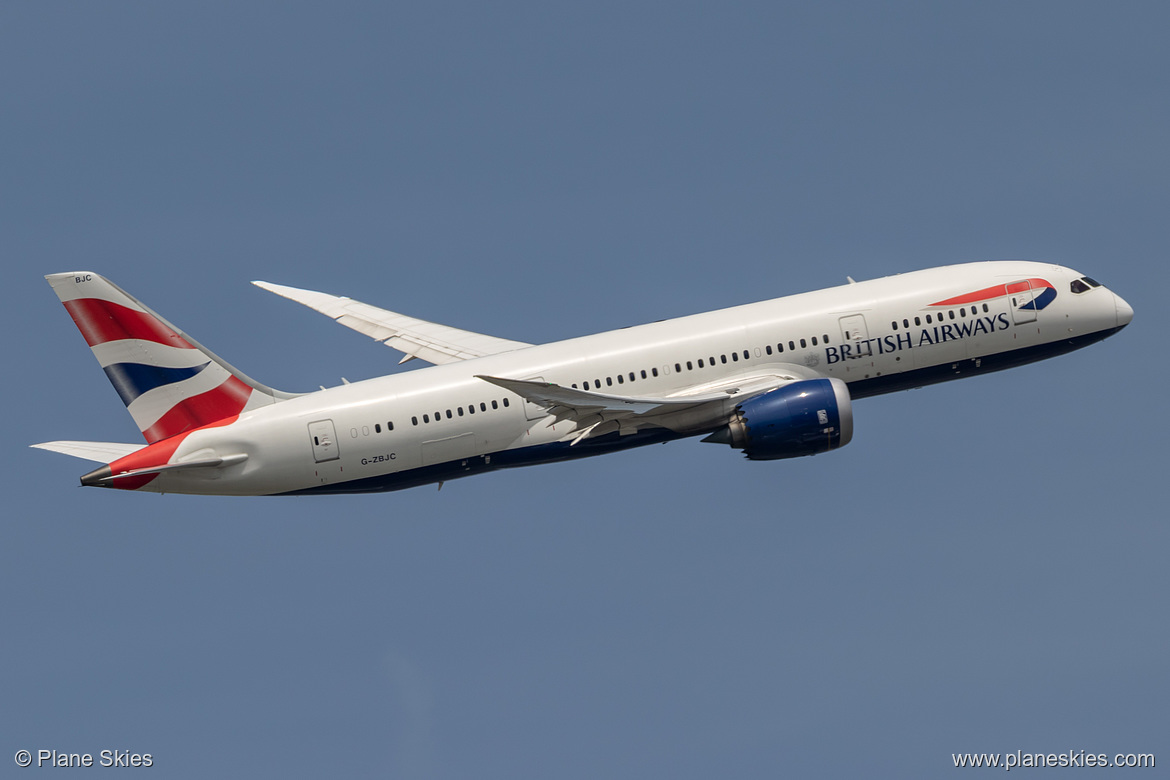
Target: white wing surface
596	414
417	338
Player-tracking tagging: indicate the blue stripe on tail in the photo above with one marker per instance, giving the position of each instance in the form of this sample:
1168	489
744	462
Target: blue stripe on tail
133	379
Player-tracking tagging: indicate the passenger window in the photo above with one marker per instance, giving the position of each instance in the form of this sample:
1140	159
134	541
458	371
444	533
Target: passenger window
654	371
426	418
609	381
586	384
677	368
894	325
928	320
448	414
723	358
505	402
825	338
951	314
792	345
985	308
377	427
632	378
803	344
735	356
471	408
414	421
780	347
482	406
621	381
690	366
460	411
917	321
768	349
700	362
643	373
905	323
814	341
389	426
495	404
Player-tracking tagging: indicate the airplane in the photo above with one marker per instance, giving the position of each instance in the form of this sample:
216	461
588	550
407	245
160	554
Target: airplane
774	379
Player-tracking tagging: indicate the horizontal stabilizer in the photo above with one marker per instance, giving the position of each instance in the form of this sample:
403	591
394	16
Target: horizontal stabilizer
417	338
101	451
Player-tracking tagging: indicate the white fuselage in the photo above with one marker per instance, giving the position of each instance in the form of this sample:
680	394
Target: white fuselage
443	422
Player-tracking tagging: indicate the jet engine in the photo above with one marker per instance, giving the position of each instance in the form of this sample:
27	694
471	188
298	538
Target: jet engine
803	418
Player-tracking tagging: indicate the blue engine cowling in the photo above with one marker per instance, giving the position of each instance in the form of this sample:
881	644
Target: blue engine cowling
803	418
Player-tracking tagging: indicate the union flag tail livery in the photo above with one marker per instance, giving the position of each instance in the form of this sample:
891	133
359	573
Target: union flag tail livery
169	383
775	379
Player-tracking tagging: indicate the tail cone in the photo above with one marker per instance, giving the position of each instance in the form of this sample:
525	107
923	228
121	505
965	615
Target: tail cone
99	477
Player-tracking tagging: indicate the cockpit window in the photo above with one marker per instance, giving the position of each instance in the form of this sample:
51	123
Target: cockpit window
1079	287
1090	282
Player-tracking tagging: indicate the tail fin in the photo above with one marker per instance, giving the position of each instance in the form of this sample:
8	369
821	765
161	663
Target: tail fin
168	381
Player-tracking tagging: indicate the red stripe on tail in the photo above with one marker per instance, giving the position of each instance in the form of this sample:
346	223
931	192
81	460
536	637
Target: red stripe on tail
103	321
226	400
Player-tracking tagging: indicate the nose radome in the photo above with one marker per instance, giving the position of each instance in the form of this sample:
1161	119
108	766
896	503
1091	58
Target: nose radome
1124	311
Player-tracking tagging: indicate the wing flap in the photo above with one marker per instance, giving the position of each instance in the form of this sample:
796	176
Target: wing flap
596	414
569	402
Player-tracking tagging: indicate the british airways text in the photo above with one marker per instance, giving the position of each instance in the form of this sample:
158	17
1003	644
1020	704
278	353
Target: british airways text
926	336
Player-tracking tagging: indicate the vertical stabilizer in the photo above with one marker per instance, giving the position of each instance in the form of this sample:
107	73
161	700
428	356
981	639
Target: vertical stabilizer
168	381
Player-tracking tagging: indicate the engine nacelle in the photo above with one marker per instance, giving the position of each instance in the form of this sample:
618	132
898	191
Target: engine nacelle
803	418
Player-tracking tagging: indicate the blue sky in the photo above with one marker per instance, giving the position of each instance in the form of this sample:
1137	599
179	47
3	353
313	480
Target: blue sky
981	570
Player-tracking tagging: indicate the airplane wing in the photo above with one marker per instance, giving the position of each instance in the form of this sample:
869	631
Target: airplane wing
427	341
596	414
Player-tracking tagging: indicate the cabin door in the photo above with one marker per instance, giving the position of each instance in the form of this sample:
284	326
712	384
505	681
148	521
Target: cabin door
324	441
531	410
856	335
1021	294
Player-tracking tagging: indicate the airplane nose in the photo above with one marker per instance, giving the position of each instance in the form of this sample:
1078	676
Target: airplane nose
1124	311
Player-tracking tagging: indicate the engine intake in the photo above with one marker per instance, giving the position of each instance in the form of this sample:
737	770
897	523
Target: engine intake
803	418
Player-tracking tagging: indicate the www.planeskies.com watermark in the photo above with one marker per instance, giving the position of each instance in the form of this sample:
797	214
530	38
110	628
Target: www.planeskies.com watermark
1071	758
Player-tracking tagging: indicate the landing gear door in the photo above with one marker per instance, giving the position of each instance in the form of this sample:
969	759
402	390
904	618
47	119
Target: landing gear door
856	334
1020	294
324	441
